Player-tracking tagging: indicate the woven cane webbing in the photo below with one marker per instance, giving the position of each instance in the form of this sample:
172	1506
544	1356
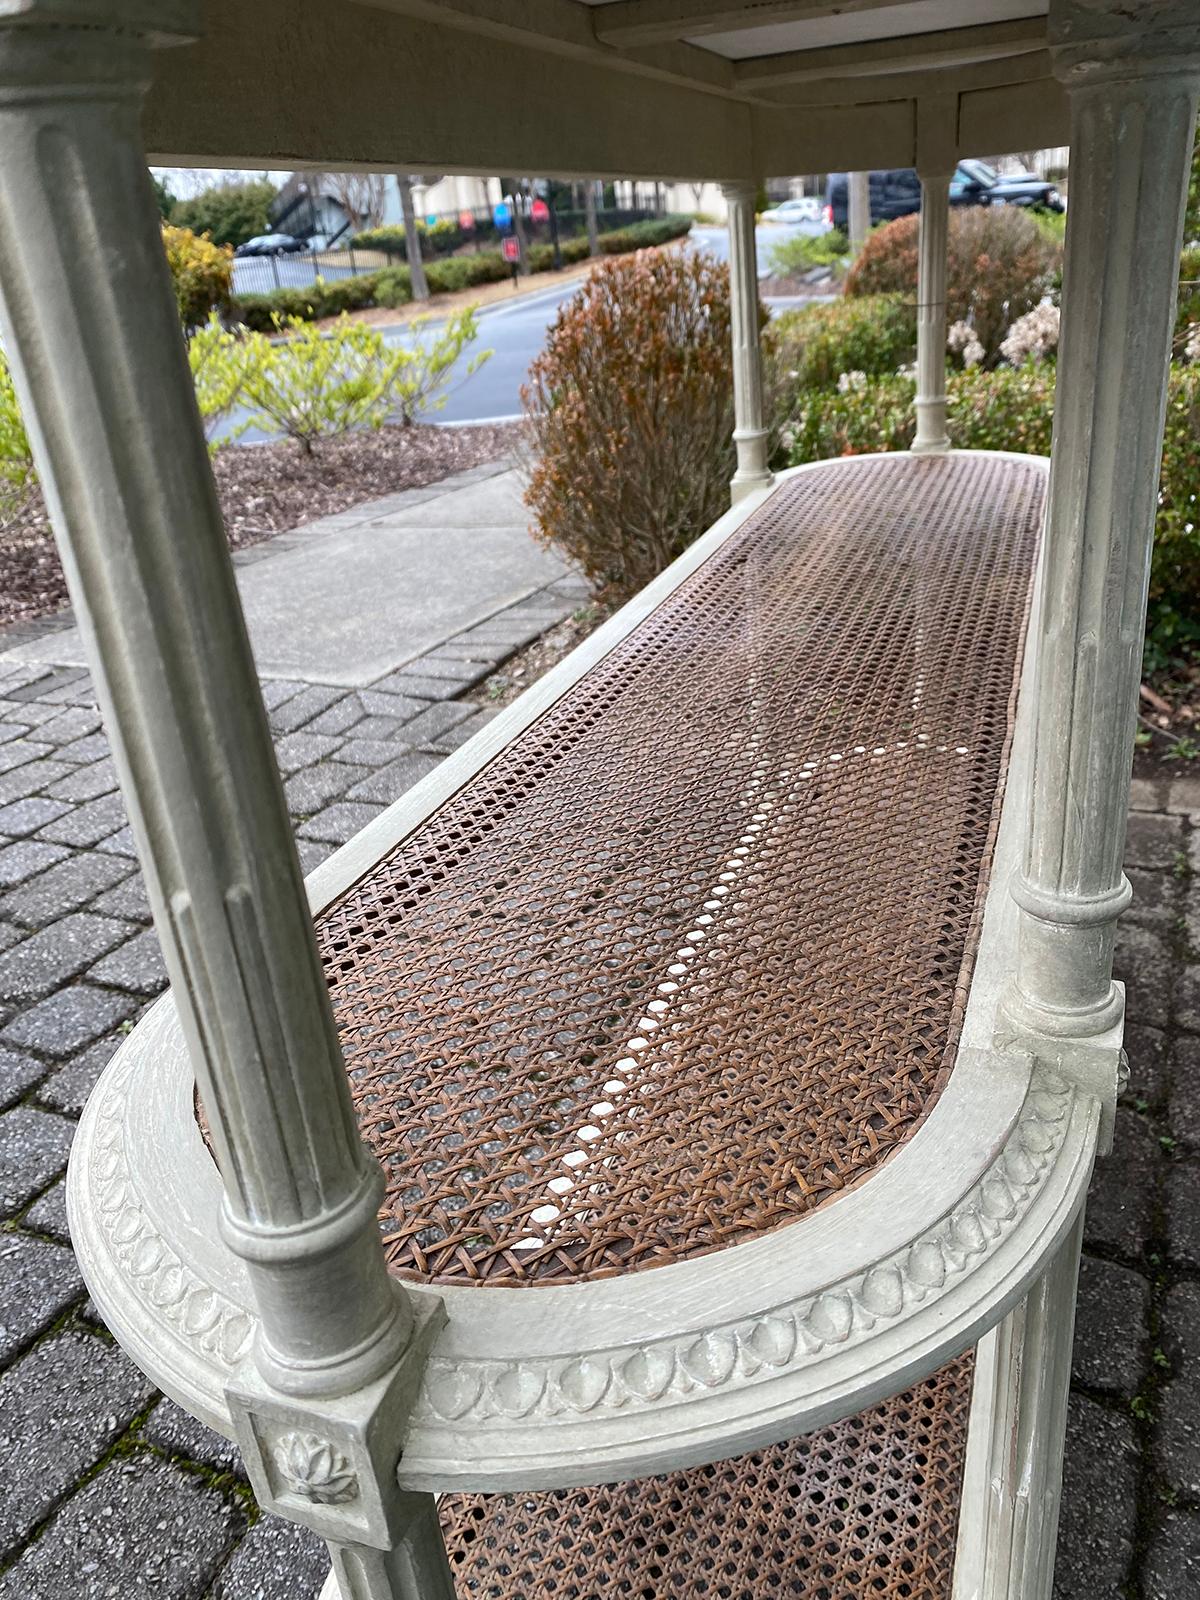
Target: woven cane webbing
691	955
864	1510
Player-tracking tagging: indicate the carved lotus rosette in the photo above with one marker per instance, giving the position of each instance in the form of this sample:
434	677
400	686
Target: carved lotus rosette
205	1318
314	1469
786	1336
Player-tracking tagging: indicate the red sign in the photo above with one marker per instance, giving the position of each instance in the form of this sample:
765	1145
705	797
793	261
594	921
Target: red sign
512	250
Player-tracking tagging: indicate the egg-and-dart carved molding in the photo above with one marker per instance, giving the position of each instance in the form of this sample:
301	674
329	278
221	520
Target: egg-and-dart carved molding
788	1335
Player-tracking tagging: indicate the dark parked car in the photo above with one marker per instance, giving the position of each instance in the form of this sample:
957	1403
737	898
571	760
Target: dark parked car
897	193
977	183
270	244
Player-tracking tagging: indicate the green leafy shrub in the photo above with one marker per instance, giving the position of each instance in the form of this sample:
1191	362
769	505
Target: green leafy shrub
260	312
393	287
466	272
201	272
319	383
443	236
1013	409
419	372
630	408
801	252
229	213
816	345
16	456
223	365
541	256
643	235
1174	629
999	266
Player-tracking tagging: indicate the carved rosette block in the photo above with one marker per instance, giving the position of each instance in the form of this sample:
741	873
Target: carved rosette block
314	1469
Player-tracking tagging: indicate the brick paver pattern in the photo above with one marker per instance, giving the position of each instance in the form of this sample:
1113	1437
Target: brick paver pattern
110	1490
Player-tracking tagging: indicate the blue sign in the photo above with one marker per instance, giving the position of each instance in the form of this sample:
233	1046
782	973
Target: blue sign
502	215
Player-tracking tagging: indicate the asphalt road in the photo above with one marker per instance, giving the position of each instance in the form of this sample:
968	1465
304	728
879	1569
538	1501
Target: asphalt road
515	332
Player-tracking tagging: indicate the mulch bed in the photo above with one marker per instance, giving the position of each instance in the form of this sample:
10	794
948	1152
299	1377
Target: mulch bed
1168	740
265	489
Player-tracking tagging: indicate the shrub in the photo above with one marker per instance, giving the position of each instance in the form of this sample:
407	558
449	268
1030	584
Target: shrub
1008	409
1175	575
630	406
419	374
393	287
643	235
318	383
999	267
1013	409
465	272
229	213
540	257
442	236
223	365
802	252
202	273
816	345
16	457
261	312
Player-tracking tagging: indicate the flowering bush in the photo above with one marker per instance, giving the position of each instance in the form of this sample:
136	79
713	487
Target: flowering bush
999	266
1032	337
202	273
630	408
960	338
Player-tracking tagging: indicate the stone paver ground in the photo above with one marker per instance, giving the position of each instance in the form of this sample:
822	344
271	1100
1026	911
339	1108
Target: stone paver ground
106	1489
110	1490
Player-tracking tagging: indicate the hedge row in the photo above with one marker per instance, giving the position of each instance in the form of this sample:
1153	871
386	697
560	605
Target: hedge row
392	286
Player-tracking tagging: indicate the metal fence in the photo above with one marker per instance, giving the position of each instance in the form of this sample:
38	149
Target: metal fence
460	233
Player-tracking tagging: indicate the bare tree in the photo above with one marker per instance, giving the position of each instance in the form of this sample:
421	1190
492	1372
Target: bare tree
589	209
360	195
412	238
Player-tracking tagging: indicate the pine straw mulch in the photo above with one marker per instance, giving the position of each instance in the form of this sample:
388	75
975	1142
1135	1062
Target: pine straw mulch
265	489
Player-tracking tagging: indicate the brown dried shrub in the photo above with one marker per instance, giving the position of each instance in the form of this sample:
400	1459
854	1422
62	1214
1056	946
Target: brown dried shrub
999	266
631	412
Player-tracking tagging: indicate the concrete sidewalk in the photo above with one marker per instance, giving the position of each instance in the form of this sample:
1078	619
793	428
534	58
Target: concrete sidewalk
349	598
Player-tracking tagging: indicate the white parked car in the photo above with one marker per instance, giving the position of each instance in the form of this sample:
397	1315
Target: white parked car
806	209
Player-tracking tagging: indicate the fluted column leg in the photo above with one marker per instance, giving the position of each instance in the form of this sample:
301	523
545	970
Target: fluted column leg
858	209
89	320
1133	106
749	426
934	233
